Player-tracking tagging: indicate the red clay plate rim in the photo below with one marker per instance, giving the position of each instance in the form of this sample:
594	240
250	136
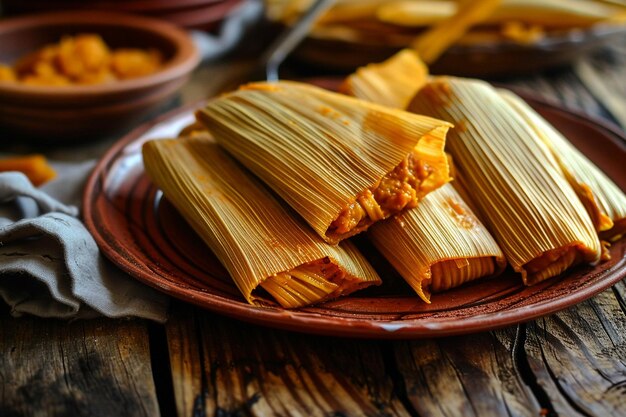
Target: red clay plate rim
317	323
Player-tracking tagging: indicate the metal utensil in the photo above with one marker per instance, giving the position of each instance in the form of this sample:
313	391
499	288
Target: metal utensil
291	38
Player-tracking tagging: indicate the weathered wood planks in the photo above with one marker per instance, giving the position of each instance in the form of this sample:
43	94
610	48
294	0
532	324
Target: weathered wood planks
602	74
579	356
83	368
473	375
228	368
569	364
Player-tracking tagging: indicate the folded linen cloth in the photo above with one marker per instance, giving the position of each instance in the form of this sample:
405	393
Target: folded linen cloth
50	266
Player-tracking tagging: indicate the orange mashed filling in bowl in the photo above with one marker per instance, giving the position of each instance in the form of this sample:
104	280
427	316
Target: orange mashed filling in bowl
82	59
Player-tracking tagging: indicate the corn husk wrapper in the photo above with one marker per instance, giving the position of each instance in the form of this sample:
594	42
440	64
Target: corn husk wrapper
547	13
258	241
351	10
557	13
194	129
604	201
438	245
527	204
416	13
392	83
320	150
288	11
436	40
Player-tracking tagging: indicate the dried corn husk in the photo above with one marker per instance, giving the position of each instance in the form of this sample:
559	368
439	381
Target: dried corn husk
440	37
557	13
416	13
534	214
194	129
258	240
392	83
604	201
288	11
328	155
547	13
438	245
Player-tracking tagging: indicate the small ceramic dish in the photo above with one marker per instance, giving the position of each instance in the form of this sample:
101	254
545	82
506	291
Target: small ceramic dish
85	111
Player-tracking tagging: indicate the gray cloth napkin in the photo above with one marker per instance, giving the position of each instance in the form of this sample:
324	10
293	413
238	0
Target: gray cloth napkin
50	266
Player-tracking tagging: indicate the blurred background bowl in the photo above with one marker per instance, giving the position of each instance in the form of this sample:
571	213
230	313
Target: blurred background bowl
86	111
480	60
190	14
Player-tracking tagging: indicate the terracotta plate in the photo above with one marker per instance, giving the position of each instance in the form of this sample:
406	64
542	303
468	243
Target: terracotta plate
145	236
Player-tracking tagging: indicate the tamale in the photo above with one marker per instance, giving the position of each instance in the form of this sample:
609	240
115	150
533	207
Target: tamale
264	247
341	163
524	199
604	201
547	13
438	245
392	83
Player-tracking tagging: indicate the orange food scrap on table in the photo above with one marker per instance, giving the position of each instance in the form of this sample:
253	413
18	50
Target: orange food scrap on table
35	167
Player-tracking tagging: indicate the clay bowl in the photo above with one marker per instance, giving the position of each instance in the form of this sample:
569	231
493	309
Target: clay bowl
87	111
15	7
190	14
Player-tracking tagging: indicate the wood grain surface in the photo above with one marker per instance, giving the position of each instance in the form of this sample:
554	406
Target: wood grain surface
579	356
569	364
222	367
84	368
465	368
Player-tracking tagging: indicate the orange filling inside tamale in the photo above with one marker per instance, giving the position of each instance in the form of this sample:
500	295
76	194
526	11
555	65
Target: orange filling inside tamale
400	189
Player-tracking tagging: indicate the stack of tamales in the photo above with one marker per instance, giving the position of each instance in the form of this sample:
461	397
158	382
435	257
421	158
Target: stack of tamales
432	26
261	244
603	200
440	244
335	166
514	178
341	163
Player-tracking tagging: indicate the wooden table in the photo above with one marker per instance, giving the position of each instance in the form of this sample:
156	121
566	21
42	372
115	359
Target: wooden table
202	364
